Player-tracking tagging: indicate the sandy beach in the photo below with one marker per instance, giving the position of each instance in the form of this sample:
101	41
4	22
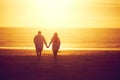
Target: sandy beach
88	65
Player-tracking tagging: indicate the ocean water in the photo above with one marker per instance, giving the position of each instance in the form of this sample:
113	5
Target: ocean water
71	38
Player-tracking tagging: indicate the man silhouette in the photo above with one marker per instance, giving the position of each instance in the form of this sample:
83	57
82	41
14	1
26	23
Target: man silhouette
39	40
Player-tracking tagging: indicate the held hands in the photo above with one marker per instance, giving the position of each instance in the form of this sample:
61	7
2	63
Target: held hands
47	46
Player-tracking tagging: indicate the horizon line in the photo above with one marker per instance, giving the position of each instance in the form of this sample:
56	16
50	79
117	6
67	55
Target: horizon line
73	49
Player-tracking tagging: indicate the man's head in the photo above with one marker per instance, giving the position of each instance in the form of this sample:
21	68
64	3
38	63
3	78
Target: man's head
39	32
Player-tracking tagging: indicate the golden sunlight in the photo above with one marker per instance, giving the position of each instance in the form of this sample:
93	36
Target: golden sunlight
60	13
54	11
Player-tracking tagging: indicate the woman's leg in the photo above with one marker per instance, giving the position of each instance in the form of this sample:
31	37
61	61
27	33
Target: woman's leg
37	52
55	54
40	53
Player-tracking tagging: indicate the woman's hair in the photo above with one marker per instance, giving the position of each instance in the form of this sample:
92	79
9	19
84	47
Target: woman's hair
55	37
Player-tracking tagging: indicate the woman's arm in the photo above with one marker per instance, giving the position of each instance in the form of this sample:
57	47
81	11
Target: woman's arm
50	42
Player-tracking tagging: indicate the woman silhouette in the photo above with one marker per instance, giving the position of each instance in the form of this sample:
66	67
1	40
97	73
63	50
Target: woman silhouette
55	41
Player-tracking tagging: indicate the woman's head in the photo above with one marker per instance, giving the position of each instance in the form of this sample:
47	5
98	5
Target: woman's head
55	34
55	37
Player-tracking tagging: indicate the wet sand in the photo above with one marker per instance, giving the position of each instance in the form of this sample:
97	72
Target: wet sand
93	65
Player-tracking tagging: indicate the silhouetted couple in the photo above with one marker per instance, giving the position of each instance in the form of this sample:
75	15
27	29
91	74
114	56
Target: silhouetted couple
39	40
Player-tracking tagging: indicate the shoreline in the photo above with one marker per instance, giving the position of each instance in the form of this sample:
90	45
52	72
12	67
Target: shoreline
82	48
32	52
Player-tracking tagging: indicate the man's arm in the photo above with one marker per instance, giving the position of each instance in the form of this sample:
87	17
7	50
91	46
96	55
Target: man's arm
34	40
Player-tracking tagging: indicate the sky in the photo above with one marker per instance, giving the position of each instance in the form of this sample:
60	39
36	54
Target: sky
60	13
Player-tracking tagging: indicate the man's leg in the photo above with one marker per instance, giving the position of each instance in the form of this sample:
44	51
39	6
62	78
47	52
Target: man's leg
40	51
37	50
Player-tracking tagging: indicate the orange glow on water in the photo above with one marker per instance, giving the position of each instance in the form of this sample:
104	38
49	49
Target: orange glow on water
70	37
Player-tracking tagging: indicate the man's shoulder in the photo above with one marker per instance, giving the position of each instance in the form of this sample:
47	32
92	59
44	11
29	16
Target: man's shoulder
39	36
36	35
42	36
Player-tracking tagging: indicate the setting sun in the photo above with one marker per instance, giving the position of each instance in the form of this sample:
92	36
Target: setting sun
54	12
